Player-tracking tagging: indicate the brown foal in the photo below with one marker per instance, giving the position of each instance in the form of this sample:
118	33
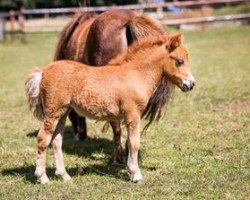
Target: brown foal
118	91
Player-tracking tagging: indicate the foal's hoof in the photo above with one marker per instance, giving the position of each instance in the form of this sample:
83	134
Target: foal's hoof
66	177
43	179
136	177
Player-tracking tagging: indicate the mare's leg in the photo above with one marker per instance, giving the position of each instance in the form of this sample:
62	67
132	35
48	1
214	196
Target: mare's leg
44	138
79	126
116	126
57	147
133	128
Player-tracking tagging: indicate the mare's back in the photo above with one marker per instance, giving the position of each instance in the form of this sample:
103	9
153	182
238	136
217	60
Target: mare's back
107	36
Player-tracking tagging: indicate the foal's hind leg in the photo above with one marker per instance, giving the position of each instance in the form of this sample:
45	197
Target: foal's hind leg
133	128
79	126
44	138
57	147
116	126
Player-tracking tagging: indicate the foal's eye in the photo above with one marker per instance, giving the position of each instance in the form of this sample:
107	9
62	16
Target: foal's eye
179	62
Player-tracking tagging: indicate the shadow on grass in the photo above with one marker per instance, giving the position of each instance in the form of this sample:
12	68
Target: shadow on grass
27	172
102	170
90	148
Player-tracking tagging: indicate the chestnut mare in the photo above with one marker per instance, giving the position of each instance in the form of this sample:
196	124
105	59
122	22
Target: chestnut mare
95	41
118	91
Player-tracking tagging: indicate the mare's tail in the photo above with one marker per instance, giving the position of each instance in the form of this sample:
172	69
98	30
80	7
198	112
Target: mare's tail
32	89
67	32
142	26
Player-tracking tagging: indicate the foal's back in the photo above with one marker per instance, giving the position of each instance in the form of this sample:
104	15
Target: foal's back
92	92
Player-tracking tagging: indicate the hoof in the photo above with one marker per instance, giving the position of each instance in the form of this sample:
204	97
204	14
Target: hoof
79	137
118	161
43	179
66	177
118	158
136	177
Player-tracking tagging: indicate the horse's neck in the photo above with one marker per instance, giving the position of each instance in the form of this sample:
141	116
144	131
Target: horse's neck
150	61
149	67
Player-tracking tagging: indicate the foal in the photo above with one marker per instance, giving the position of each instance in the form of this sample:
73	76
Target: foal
117	91
94	41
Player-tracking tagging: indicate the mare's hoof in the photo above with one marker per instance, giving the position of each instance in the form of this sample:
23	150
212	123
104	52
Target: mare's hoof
79	137
117	163
118	160
136	177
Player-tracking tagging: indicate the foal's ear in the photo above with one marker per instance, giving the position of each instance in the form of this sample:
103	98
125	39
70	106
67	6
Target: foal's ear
174	41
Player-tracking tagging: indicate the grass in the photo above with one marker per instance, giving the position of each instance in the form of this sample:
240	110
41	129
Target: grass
199	150
231	10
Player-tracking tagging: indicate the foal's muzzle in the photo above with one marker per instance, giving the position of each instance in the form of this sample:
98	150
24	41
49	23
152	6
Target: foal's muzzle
188	84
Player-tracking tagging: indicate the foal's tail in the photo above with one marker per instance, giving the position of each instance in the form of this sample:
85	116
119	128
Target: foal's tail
32	89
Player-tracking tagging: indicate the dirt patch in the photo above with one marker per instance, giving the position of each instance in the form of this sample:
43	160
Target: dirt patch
239	106
235	107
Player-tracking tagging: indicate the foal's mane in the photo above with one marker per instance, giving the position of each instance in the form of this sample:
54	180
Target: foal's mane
156	103
142	45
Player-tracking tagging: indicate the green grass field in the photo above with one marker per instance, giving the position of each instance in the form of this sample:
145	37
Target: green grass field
199	150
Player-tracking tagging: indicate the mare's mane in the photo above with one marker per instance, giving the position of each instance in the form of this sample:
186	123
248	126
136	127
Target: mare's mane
67	32
141	46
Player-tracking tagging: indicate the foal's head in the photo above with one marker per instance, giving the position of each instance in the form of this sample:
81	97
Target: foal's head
176	66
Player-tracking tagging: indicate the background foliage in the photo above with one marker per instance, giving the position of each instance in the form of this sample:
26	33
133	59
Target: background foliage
29	4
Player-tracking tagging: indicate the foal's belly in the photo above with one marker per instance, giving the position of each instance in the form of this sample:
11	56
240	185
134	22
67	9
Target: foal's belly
98	111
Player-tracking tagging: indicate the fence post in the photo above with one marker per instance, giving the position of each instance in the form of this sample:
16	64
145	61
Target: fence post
159	10
2	28
21	19
12	25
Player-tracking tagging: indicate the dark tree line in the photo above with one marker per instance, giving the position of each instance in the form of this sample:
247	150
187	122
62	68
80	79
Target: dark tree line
6	5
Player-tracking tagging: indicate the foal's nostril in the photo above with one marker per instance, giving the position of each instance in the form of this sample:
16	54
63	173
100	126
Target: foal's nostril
188	84
192	83
185	88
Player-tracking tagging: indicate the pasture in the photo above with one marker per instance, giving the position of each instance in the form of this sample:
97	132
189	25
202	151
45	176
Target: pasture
199	150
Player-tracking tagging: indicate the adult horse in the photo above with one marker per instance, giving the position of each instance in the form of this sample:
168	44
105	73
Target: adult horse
95	41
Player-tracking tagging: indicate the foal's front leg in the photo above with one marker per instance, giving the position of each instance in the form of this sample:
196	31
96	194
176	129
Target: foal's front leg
133	128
